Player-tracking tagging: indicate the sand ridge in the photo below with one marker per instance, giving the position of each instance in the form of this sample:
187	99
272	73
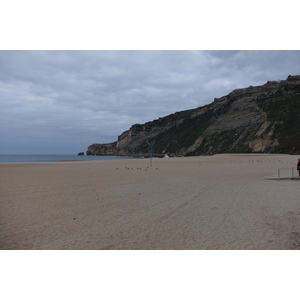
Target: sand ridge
214	202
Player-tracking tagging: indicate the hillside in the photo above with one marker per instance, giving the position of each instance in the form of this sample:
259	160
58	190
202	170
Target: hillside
264	119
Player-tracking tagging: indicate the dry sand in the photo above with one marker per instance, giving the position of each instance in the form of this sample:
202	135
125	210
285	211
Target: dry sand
217	202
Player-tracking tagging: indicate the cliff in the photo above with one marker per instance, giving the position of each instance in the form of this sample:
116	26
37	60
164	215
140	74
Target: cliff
102	149
264	118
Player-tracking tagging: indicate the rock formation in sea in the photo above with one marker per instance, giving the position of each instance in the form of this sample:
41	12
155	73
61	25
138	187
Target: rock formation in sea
263	119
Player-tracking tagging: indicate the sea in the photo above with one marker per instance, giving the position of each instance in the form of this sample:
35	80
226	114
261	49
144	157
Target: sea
34	158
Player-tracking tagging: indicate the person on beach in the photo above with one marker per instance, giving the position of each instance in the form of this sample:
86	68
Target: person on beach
298	166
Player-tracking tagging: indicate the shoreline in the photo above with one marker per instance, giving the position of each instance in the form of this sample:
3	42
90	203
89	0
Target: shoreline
224	201
129	158
36	158
144	158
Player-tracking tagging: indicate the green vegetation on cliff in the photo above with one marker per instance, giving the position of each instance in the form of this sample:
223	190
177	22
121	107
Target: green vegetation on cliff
283	113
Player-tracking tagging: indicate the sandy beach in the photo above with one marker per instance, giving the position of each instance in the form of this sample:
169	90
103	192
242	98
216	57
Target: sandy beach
229	201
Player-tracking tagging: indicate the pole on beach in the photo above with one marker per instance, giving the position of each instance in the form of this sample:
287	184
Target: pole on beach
150	150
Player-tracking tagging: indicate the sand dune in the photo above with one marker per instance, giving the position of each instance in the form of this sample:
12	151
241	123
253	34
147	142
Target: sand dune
217	202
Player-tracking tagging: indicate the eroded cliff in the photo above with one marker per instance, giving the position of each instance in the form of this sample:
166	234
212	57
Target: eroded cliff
255	119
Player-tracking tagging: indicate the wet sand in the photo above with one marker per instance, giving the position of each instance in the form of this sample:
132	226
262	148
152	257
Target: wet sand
216	202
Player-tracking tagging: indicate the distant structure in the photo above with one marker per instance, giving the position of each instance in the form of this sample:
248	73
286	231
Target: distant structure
150	150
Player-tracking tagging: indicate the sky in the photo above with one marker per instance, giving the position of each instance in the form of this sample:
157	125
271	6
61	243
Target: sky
64	101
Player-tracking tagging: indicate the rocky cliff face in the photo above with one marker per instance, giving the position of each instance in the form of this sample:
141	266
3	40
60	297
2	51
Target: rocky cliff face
255	119
102	149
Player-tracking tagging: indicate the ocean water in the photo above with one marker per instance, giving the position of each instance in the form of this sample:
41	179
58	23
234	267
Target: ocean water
30	158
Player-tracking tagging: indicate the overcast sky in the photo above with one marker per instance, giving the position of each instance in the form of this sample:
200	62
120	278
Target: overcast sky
63	101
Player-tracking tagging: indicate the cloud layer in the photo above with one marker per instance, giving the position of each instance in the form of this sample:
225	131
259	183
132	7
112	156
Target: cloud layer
63	101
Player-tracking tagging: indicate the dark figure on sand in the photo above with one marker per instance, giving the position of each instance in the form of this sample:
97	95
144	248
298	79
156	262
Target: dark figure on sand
298	166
